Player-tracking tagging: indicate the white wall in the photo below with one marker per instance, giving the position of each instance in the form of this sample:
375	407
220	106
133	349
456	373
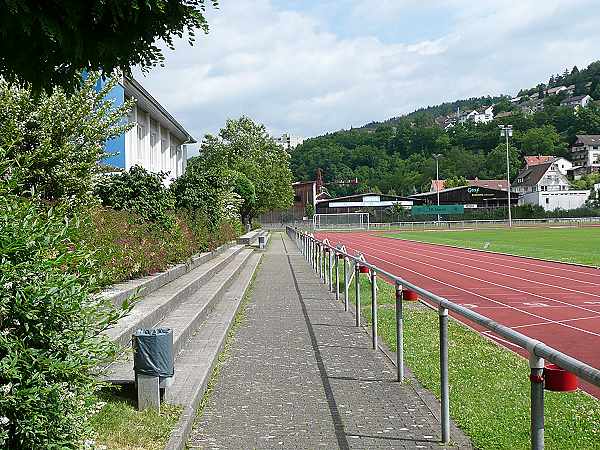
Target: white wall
151	145
556	200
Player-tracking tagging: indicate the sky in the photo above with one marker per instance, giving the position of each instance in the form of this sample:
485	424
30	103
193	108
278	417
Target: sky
310	67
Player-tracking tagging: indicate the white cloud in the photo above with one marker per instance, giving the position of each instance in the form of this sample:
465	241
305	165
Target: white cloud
295	72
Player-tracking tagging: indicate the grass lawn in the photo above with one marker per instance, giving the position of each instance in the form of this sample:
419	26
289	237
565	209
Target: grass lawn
120	426
489	385
576	245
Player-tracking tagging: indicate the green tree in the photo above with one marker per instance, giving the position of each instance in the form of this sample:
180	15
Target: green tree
542	141
246	147
52	143
456	181
63	38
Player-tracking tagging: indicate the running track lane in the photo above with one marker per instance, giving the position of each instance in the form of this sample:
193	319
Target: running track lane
558	304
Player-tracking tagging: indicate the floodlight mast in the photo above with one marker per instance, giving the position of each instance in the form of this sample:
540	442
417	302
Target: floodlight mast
437	157
507	131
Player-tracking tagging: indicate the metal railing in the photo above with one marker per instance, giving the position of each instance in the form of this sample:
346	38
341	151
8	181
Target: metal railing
325	258
482	224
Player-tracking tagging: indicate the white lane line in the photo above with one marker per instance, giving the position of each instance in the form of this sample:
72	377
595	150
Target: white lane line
492	283
451	254
438	258
475	294
559	321
500	257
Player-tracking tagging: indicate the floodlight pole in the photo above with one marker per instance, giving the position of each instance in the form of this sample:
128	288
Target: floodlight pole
506	130
437	180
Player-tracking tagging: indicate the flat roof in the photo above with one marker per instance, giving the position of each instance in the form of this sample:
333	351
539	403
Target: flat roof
132	84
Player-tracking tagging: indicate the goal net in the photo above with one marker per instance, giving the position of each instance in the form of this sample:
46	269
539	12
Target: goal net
341	221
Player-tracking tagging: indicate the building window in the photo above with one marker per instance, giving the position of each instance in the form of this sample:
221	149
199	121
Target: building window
547	201
141	134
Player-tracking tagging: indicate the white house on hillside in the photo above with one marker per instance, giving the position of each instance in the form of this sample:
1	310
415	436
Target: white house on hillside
544	185
578	101
586	153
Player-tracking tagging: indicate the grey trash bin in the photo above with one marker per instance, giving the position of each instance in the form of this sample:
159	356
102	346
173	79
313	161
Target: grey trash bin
261	241
153	353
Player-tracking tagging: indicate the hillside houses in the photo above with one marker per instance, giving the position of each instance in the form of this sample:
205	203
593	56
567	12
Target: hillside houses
585	154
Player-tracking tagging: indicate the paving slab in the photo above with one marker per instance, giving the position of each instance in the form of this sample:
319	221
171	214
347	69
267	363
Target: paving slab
300	375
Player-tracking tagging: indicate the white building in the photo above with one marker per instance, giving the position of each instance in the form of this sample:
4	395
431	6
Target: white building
288	141
551	201
544	185
157	142
563	165
541	178
578	101
475	116
586	153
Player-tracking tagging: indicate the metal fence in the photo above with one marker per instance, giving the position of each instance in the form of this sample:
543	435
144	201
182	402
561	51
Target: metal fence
325	260
483	224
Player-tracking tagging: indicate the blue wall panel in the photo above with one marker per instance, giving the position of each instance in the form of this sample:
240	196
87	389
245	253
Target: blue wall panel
115	146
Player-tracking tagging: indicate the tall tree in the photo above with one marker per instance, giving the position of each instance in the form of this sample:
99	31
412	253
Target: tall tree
247	148
50	43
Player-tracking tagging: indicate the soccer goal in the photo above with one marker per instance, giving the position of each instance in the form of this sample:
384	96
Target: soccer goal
341	221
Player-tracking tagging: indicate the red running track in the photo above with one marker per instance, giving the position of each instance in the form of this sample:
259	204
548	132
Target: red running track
558	304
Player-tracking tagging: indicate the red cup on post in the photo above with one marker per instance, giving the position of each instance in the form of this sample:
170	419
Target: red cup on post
409	296
558	379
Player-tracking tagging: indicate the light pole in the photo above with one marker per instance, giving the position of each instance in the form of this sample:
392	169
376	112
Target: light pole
507	131
437	157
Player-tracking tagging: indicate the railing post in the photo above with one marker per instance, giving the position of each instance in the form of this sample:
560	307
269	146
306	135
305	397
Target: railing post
346	282
536	378
444	389
337	276
330	253
374	308
357	292
399	334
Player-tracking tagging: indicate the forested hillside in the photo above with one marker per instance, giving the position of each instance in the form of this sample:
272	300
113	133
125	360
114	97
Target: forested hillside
396	156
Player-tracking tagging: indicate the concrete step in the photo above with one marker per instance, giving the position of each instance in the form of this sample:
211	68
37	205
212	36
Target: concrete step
120	292
152	308
199	355
189	314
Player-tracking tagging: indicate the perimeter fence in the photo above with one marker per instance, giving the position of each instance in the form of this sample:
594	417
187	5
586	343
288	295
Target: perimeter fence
325	260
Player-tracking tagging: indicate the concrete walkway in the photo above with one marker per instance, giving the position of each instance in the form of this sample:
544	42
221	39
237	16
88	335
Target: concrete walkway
301	376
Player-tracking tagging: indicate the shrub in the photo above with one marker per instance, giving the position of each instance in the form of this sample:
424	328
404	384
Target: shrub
50	326
51	144
139	191
203	188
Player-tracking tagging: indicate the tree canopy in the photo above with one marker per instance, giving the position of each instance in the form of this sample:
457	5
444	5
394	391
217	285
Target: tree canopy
50	43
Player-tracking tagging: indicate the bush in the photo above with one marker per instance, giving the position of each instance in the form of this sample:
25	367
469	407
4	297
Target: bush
203	188
139	191
51	144
50	326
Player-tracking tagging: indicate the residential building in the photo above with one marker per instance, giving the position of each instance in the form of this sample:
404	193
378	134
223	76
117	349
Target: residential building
486	116
555	90
288	141
540	177
157	142
546	186
586	154
564	166
492	184
577	101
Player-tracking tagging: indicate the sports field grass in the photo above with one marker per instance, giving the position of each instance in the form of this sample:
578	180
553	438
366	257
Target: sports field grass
574	245
489	385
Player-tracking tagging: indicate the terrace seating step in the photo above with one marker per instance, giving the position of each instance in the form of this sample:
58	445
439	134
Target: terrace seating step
195	363
120	292
187	316
155	306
